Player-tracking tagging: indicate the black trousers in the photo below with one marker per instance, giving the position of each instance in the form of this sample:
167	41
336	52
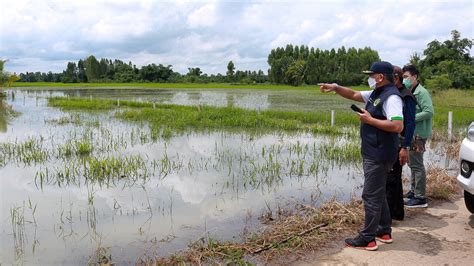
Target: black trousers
377	215
394	192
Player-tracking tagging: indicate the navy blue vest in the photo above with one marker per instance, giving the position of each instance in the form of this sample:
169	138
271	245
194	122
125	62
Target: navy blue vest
379	145
407	96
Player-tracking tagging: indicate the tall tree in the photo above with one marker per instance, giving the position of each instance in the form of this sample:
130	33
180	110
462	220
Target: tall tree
194	72
81	72
230	71
155	73
415	59
3	75
70	74
92	68
6	78
451	59
103	66
295	73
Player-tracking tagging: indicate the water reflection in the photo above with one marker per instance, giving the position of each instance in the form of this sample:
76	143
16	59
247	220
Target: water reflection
248	99
5	112
3	119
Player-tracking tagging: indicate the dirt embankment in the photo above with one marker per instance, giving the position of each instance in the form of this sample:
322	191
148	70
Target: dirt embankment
442	234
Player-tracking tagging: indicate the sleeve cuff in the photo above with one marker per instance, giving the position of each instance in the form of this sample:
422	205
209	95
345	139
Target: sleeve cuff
393	118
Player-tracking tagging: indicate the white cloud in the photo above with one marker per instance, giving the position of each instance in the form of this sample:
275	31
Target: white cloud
203	17
319	41
45	35
296	36
117	28
204	44
62	46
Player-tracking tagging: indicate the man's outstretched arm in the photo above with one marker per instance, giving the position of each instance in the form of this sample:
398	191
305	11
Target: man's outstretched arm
343	91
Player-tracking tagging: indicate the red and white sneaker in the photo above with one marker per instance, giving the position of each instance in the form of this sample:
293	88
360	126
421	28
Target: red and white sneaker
385	238
360	243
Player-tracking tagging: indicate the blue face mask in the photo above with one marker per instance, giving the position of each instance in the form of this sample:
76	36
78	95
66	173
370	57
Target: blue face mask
407	83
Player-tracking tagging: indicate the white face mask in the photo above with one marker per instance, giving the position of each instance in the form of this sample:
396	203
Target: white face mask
372	83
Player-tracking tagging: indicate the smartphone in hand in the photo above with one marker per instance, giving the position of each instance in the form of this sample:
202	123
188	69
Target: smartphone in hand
356	109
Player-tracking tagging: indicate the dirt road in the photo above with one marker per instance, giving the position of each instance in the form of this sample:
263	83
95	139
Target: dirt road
442	234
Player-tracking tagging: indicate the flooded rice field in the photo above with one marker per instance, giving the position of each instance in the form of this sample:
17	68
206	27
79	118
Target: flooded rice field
291	100
75	182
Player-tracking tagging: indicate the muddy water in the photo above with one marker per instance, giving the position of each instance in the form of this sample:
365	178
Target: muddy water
190	185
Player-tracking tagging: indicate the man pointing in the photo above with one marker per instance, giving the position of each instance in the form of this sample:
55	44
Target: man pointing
381	121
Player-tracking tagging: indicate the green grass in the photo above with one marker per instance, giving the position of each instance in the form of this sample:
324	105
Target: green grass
52	85
460	102
206	117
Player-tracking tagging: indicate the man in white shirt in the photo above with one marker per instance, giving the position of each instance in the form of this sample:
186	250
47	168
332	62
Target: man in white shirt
381	122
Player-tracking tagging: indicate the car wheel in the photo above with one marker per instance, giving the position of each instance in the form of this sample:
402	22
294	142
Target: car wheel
469	200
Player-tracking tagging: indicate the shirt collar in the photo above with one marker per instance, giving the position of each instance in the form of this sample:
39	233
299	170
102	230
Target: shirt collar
414	89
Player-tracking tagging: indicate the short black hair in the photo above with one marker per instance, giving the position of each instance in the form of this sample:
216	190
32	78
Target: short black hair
412	69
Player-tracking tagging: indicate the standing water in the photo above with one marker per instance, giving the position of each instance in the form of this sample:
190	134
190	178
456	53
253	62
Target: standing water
73	183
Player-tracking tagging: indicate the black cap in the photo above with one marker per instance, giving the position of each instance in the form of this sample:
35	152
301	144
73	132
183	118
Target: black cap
382	67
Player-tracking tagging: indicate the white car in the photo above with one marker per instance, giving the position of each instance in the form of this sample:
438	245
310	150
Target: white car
466	175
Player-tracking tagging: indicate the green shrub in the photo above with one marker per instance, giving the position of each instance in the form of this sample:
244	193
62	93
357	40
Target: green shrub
439	82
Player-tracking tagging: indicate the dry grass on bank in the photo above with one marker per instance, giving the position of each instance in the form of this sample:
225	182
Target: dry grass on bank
439	184
451	148
308	228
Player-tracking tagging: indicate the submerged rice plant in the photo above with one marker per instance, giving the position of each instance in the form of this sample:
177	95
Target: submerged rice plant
107	170
83	147
17	215
348	152
28	152
70	119
101	169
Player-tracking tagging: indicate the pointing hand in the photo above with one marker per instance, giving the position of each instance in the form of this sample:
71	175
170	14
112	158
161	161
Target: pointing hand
327	87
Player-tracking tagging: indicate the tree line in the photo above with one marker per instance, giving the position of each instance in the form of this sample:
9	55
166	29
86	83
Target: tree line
91	70
296	65
442	65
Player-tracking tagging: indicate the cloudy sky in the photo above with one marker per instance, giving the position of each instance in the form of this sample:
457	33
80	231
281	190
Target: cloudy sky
45	35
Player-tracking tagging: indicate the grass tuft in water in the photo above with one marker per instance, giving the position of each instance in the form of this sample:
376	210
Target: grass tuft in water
29	152
89	169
